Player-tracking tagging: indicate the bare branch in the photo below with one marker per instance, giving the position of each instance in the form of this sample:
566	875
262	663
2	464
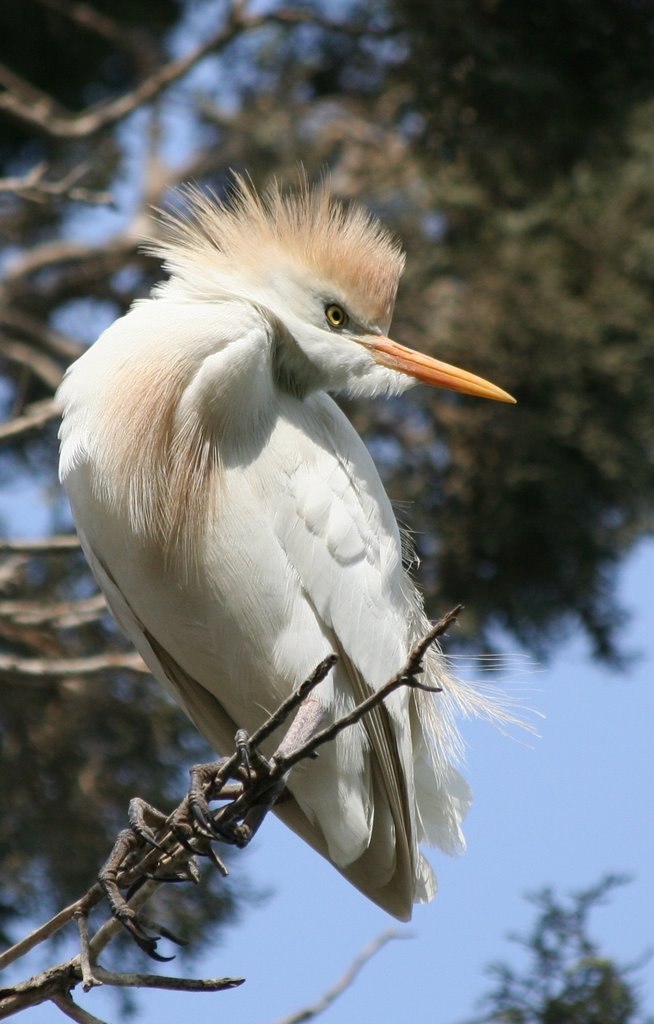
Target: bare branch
243	815
291	703
41	365
366	954
33	187
15	83
52	254
25	103
40	333
75	1012
33	419
132	980
406	677
42	933
28	670
47	117
64	614
49	546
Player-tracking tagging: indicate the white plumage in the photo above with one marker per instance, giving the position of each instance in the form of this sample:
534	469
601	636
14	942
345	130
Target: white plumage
239	529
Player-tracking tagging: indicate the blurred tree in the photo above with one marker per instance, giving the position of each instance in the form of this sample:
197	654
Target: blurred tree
566	979
509	146
535	124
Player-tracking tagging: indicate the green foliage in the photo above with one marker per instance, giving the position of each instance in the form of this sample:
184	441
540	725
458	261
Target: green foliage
566	979
536	135
524	92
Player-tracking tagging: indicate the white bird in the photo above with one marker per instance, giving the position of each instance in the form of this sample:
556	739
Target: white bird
237	524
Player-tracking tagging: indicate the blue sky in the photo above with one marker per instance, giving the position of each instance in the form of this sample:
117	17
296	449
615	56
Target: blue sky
560	810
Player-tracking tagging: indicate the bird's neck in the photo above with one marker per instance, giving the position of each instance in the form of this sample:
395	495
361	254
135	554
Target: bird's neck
292	372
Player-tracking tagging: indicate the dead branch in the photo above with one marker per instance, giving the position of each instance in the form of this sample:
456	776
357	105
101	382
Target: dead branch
36	363
30	670
41	334
62	543
25	103
75	1012
33	186
40	934
63	614
50	255
343	983
33	419
404	678
48	117
142	860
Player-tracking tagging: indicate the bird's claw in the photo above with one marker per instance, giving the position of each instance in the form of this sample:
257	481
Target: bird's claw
143	939
207	781
192	826
137	813
242	744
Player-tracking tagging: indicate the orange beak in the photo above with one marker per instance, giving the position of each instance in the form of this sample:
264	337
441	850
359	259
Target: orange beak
431	371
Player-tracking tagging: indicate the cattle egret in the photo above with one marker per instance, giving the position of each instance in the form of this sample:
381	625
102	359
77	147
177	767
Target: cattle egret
237	524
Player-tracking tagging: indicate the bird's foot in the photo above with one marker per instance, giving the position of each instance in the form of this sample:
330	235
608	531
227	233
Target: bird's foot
112	877
254	788
247	785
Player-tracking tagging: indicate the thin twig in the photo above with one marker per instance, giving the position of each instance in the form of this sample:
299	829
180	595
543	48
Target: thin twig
267	788
32	186
29	669
47	546
93	260
131	980
406	677
51	120
71	1009
33	419
326	1000
39	110
291	703
43	932
64	614
89	980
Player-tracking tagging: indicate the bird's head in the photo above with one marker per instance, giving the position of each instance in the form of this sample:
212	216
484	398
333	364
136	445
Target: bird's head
325	276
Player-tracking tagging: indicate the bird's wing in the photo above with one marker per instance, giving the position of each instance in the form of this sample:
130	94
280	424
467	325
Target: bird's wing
336	525
338	530
392	885
199	703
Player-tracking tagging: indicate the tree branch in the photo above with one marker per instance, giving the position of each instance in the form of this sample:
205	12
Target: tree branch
42	334
347	979
33	419
142	860
47	117
27	670
25	103
37	363
75	1012
33	187
65	614
63	543
404	678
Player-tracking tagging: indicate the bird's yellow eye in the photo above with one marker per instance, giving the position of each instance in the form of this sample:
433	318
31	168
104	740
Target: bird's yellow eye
336	315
